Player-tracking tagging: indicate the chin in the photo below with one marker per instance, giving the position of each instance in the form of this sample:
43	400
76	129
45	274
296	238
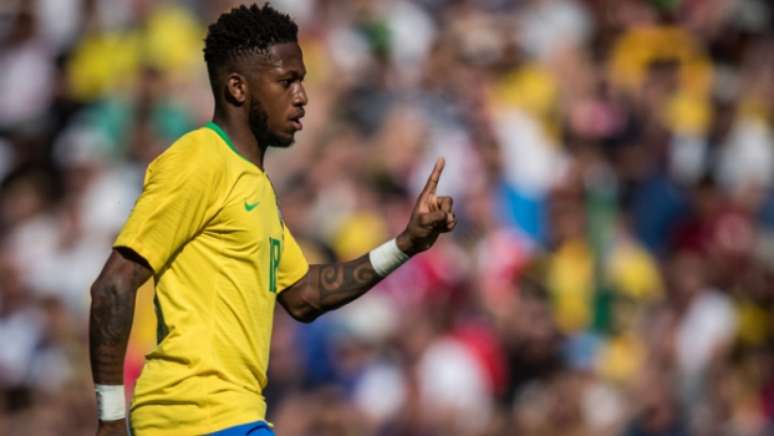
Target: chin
276	140
283	141
283	144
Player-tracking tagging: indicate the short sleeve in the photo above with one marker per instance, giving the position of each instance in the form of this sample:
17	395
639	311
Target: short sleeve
293	265
177	200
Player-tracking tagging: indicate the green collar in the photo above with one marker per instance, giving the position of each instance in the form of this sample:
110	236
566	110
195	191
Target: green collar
224	136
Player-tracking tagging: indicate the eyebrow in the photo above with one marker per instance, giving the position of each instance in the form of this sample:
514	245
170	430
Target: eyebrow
293	74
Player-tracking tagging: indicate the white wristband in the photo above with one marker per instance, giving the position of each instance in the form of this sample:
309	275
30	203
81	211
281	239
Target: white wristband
111	402
387	257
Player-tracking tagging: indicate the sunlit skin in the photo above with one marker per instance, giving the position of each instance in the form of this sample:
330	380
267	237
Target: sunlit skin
260	103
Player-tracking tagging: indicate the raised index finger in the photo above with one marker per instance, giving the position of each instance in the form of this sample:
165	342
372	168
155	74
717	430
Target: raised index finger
432	181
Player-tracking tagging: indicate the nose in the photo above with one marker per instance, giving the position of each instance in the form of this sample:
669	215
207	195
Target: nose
299	97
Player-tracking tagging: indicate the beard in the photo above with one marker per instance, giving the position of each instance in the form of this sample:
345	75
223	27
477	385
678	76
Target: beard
260	128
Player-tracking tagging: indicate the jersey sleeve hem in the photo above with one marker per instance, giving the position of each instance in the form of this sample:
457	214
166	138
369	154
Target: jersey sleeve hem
142	251
294	277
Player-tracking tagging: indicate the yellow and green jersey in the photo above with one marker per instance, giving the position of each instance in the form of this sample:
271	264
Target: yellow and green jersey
208	224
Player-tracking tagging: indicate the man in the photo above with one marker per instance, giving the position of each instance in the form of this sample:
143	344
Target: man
208	229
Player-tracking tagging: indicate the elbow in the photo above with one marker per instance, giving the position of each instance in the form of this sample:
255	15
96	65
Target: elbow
98	290
101	288
300	304
109	289
304	313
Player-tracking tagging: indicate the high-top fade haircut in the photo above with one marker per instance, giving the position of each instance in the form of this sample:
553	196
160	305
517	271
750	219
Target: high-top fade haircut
242	31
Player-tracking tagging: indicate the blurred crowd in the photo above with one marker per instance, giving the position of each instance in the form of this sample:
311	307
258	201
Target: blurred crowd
612	165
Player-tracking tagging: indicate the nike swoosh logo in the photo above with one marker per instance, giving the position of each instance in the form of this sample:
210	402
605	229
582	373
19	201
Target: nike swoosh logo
250	206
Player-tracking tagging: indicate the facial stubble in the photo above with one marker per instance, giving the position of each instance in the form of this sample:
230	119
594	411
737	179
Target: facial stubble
260	127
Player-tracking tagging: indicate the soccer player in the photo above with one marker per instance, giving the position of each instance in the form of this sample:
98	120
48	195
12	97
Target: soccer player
208	229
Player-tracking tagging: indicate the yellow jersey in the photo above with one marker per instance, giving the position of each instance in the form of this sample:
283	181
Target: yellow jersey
208	224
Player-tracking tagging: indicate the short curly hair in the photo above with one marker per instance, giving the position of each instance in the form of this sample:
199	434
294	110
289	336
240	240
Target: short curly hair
246	30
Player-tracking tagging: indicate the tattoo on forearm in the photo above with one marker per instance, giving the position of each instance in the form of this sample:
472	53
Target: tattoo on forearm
339	283
110	319
109	326
331	277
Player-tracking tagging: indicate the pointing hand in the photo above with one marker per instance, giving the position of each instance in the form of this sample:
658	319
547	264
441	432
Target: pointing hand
432	215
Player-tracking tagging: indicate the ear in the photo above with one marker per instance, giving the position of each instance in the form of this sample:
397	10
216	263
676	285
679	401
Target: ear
236	88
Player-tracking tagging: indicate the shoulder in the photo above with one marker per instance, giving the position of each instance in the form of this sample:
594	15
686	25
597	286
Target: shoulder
195	149
197	154
200	145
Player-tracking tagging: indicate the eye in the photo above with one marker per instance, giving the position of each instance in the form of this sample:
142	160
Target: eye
286	82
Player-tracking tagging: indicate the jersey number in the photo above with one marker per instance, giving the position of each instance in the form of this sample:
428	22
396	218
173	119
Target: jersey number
274	259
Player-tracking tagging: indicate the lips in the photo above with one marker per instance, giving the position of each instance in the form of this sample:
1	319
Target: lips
295	120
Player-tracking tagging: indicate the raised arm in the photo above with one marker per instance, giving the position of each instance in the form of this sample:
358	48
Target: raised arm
110	321
327	287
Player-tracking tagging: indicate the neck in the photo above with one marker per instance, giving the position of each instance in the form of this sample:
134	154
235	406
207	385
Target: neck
238	130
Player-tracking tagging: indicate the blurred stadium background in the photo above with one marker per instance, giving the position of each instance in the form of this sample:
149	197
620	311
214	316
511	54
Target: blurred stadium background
611	162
